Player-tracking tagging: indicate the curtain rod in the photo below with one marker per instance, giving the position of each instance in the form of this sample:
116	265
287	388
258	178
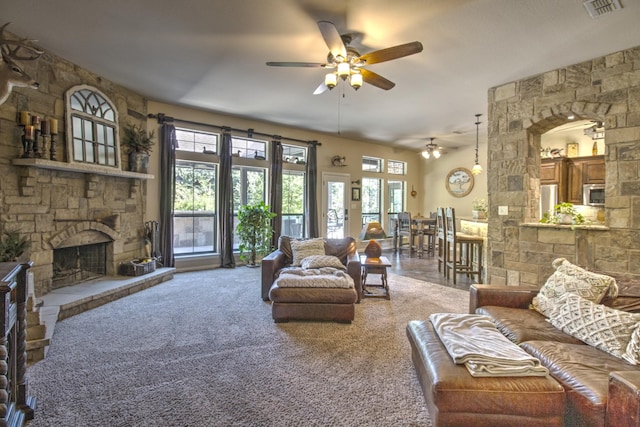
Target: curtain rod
163	118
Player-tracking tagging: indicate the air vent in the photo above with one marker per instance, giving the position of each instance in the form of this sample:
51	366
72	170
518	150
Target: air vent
597	8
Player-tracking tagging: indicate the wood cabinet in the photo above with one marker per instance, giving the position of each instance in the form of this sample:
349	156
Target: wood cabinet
580	171
552	171
16	408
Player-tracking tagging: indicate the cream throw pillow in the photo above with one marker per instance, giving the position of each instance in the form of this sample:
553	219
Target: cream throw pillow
595	279
602	327
569	278
301	249
319	261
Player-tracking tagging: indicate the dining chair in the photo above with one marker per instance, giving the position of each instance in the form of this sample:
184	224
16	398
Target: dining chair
429	236
464	251
406	229
442	241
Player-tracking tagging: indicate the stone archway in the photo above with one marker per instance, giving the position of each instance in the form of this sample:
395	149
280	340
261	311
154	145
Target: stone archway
602	89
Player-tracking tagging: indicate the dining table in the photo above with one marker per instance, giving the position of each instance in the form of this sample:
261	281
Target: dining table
421	223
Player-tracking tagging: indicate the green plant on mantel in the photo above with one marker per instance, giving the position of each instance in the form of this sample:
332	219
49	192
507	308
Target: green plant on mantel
563	213
12	245
136	139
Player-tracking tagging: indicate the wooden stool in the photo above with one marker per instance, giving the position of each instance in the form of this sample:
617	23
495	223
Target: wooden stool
464	252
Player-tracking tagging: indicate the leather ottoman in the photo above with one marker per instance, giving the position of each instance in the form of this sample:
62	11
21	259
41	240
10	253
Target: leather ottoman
455	398
330	304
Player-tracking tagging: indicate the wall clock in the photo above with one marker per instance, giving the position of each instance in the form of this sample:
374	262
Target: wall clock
459	182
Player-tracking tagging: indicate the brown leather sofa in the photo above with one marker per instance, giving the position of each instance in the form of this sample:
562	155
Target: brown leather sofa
334	304
599	389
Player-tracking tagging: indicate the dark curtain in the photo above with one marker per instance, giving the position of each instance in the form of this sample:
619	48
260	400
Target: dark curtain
311	199
225	202
275	196
167	192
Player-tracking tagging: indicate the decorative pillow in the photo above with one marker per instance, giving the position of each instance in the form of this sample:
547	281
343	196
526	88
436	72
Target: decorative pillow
319	261
303	248
632	355
559	283
595	279
597	325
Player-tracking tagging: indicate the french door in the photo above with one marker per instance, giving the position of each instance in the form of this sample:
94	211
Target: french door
335	202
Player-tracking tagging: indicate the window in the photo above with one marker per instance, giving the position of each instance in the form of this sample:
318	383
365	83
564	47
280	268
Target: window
94	127
249	187
371	164
195	208
396	196
248	148
293	204
371	200
294	154
396	168
196	141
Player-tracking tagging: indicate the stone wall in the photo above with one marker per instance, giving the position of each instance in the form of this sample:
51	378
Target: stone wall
606	89
45	204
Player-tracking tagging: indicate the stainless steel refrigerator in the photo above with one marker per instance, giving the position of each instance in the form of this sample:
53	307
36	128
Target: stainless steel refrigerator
548	197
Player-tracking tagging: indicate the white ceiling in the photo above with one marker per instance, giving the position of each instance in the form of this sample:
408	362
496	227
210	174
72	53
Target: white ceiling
211	54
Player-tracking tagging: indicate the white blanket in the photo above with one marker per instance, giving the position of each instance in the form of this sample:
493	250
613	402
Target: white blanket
475	341
325	277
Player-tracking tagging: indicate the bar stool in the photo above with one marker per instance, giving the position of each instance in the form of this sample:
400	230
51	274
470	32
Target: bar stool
429	237
406	229
464	254
442	242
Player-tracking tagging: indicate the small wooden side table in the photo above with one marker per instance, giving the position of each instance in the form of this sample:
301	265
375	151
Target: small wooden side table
375	266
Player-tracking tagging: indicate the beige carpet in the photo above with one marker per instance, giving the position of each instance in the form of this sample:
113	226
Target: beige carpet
202	350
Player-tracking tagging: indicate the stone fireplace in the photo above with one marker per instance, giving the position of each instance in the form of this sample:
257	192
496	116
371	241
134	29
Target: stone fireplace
83	221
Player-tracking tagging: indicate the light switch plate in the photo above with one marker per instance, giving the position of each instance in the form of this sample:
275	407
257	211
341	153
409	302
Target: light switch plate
503	210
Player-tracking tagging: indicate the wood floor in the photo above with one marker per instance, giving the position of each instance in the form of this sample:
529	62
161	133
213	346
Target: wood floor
425	268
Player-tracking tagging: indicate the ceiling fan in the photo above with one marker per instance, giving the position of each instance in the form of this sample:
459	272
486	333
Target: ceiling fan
346	62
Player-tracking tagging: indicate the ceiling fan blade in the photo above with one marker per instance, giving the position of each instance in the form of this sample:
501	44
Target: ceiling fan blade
296	64
376	79
390	53
321	89
332	38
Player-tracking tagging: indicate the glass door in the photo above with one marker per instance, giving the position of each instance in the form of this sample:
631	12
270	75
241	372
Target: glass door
335	212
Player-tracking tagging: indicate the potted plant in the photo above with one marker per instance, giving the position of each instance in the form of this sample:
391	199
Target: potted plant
479	208
138	143
254	231
563	213
12	245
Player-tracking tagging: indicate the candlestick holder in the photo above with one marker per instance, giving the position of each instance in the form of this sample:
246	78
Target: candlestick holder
23	140
36	147
52	149
27	144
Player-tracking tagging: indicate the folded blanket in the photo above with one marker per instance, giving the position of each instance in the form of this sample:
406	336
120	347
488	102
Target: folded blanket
474	340
325	277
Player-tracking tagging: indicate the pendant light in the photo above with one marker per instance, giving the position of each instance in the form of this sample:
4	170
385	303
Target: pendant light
477	169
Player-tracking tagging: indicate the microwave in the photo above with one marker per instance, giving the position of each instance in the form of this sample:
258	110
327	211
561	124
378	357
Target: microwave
593	194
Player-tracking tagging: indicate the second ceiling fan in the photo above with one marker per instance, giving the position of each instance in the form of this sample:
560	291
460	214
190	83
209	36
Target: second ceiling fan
347	63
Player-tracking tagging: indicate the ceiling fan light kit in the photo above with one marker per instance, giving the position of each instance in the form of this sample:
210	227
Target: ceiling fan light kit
348	63
431	150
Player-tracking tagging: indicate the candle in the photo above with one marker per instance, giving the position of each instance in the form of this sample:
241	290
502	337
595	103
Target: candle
54	126
24	118
44	127
28	132
35	121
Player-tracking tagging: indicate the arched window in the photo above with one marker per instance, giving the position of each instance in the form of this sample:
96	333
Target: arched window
92	127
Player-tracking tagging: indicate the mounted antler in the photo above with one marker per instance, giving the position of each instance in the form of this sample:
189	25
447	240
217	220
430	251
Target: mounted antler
11	74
